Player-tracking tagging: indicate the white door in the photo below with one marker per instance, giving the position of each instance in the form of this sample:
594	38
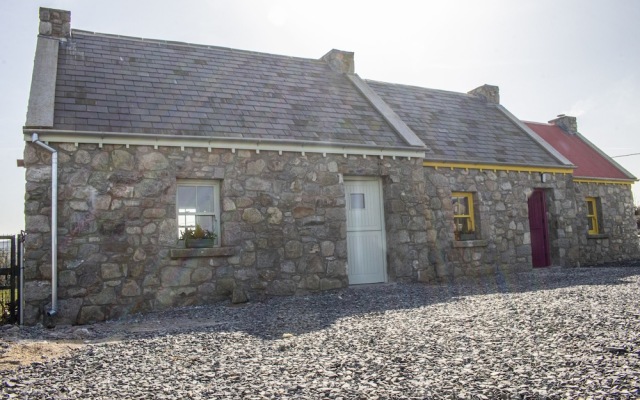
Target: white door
366	253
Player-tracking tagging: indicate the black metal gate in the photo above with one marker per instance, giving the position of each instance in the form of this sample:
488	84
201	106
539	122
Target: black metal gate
10	261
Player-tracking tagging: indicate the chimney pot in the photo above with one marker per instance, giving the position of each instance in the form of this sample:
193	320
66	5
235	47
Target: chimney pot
489	93
566	123
340	61
55	23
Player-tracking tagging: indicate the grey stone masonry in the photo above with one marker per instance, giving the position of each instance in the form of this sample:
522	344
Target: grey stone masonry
340	61
567	123
617	237
283	227
502	237
489	93
55	23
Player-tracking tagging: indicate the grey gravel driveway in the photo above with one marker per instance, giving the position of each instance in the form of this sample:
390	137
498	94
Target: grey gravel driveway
550	333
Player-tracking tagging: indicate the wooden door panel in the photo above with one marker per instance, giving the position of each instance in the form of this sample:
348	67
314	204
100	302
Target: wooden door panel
539	230
366	254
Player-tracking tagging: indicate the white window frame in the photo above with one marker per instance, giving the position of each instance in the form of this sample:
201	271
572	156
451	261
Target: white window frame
215	185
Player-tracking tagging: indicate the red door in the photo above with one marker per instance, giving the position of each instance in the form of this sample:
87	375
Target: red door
539	229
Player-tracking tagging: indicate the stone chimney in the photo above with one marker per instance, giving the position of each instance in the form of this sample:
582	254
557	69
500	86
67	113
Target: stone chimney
340	61
55	23
567	123
489	93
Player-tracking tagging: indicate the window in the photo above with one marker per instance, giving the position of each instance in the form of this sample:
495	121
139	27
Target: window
198	203
357	201
463	218
592	215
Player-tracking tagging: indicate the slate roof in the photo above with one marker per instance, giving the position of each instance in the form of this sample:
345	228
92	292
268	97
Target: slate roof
462	127
589	162
117	84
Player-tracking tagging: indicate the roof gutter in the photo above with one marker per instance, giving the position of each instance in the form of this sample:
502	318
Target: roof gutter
54	223
233	143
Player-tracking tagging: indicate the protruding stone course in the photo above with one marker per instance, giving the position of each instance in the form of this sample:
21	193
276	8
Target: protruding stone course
283	226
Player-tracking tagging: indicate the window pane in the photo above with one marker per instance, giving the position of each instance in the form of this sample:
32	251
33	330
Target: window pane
186	199
591	224
357	201
460	206
461	224
189	221
590	208
205	199
205	222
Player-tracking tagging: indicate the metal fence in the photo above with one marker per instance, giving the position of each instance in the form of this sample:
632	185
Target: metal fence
10	264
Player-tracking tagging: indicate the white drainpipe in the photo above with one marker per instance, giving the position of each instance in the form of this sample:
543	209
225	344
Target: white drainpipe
54	223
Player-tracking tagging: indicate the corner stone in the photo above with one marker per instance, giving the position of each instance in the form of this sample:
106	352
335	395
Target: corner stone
328	284
90	314
239	296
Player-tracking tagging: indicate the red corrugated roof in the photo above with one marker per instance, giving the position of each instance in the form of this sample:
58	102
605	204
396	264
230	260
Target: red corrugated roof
589	163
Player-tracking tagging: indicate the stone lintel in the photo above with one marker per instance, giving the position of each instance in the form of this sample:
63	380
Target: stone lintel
206	252
470	243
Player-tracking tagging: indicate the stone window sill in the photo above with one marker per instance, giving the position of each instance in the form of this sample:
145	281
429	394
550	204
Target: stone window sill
469	243
203	252
598	236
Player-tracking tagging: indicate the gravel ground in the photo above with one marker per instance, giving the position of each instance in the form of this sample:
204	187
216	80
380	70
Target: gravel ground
544	334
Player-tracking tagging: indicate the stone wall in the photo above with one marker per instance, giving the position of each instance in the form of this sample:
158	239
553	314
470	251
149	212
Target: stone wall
503	240
617	239
283	227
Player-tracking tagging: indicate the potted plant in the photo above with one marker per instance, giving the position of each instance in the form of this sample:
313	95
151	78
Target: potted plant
198	237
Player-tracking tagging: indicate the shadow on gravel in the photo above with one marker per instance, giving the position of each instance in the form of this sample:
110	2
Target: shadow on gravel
296	315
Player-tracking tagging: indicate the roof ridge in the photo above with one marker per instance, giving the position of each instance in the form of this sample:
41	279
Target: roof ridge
420	87
536	122
187	44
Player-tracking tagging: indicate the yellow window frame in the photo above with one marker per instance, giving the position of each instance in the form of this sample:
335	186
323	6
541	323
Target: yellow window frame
469	215
592	215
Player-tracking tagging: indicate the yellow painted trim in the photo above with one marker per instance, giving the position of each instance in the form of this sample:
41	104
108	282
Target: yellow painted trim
593	217
495	167
471	216
602	181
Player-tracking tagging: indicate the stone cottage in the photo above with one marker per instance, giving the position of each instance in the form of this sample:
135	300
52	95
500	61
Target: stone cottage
603	194
310	178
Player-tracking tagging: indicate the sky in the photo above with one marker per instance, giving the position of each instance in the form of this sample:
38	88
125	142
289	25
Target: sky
549	57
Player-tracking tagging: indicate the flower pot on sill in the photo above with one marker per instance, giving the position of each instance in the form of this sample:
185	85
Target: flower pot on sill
467	236
198	243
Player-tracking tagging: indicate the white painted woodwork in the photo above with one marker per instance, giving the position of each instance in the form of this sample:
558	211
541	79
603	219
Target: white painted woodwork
365	232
